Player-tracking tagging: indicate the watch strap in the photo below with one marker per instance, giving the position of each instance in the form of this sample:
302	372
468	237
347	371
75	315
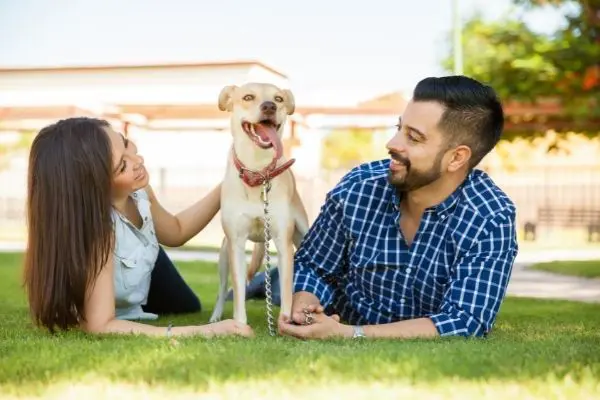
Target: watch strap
359	332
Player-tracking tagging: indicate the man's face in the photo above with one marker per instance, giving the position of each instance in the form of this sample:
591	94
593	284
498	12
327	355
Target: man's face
417	150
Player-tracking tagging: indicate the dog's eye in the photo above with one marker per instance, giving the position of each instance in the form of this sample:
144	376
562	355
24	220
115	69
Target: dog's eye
248	97
279	99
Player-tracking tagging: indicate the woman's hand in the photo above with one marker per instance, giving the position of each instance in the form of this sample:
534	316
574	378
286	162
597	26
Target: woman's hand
226	327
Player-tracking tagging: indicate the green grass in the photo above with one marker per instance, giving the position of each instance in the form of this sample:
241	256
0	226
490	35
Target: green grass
539	349
584	269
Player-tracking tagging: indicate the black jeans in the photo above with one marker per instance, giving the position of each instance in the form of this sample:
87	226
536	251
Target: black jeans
256	289
169	294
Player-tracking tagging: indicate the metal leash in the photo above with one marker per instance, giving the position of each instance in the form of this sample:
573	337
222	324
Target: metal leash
266	187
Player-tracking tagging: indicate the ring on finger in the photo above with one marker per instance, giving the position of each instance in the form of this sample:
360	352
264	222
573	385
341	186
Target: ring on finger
308	318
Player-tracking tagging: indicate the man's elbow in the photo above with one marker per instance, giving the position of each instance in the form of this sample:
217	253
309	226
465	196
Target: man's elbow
476	327
456	323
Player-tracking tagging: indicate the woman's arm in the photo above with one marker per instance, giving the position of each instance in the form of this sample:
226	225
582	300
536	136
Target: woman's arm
100	315
176	230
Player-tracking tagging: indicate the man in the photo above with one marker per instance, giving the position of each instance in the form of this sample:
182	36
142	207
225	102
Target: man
421	244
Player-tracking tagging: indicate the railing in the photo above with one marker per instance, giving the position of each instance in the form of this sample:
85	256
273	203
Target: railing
535	189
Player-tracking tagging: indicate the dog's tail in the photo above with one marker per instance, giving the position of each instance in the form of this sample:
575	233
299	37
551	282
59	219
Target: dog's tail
258	254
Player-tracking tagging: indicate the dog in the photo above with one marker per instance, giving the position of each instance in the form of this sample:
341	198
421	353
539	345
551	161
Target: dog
258	113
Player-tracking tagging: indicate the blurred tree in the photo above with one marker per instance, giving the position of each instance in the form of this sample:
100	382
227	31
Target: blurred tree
525	65
8	149
346	148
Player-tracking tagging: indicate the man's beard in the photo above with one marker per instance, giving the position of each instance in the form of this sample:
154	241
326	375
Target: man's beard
413	179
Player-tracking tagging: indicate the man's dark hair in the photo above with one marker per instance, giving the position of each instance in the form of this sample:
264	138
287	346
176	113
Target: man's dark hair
473	115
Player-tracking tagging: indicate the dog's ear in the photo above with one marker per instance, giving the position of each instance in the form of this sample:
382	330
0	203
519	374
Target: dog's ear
290	102
225	100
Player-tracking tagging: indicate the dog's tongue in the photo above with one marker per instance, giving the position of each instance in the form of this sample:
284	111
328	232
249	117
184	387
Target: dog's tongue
268	133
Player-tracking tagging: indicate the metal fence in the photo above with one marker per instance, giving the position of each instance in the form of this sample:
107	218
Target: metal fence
176	188
548	187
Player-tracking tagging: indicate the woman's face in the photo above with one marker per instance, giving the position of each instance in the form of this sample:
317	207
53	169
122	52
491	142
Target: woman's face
129	173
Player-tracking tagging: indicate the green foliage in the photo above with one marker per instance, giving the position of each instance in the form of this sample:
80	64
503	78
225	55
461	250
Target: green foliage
345	148
525	65
584	269
507	55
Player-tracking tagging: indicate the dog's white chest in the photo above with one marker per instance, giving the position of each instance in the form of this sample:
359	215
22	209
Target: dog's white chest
256	233
246	219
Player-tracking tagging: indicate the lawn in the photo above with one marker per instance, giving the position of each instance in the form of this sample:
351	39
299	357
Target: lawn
584	269
539	349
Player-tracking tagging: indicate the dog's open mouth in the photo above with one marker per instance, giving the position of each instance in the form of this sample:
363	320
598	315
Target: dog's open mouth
264	134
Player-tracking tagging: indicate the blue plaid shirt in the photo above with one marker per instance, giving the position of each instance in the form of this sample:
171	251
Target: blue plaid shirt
355	260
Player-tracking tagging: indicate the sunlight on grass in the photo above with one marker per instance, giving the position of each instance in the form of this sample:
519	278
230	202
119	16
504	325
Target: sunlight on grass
90	388
584	269
539	349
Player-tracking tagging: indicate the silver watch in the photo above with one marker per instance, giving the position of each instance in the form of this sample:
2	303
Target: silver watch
359	332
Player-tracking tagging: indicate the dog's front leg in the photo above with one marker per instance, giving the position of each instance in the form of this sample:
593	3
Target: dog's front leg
285	249
224	261
237	264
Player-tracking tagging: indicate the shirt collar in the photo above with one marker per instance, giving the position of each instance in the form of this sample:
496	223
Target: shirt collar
441	209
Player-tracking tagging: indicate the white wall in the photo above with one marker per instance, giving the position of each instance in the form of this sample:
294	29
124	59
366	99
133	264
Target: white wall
308	154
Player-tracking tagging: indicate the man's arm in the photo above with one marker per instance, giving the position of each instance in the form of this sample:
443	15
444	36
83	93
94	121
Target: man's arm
476	291
321	253
470	304
474	296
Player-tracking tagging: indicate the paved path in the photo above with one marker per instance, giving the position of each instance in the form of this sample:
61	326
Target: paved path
524	282
540	284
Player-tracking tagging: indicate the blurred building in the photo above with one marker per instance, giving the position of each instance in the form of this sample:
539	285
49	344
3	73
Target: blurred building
171	111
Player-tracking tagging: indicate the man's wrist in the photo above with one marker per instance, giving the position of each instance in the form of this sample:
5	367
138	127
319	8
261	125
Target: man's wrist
347	331
352	331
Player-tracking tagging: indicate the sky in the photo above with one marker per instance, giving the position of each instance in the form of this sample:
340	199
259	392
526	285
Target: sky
334	51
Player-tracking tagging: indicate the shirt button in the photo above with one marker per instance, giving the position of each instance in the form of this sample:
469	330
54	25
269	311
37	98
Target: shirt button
408	270
402	300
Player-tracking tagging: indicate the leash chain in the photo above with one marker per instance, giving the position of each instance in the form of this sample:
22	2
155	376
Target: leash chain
267	223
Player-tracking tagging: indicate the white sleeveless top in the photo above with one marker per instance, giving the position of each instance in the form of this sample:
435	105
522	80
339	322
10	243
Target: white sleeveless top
135	254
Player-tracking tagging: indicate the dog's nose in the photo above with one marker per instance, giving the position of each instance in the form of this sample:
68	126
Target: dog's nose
268	107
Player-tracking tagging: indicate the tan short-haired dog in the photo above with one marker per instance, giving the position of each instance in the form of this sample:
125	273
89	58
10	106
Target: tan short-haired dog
258	114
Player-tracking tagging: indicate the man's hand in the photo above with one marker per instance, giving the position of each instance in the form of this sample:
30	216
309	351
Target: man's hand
322	327
303	302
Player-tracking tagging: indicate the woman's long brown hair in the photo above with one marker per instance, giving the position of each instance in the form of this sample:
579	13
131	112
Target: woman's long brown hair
70	229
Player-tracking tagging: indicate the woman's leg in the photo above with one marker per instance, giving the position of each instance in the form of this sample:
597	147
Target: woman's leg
169	294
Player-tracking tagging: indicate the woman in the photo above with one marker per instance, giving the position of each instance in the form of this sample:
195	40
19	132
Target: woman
94	226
